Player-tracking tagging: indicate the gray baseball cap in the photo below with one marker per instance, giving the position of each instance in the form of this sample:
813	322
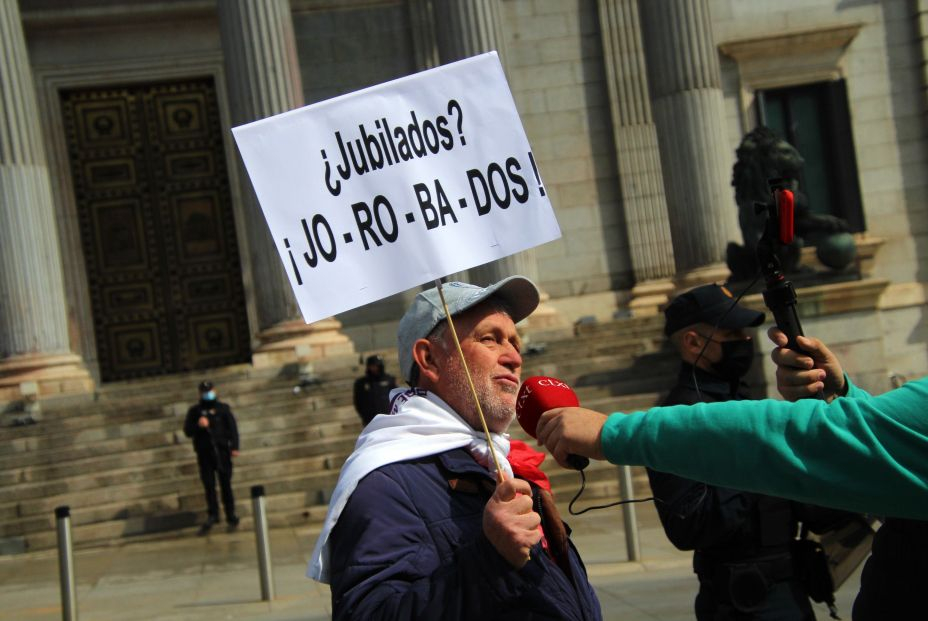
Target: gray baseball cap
518	293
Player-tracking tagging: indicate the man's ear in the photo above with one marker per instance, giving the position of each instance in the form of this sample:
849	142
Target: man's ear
692	343
423	354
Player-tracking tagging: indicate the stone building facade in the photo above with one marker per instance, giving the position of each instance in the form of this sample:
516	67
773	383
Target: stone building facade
132	245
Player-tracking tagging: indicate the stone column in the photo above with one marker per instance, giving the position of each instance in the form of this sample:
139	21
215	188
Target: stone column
640	179
263	77
921	18
464	28
422	25
35	353
686	96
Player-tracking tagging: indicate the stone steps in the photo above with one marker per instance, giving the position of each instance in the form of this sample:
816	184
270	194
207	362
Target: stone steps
171	432
122	464
249	419
161	499
316	439
182	464
106	415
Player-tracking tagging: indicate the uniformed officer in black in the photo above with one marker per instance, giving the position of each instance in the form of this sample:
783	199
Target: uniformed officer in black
372	390
211	424
741	540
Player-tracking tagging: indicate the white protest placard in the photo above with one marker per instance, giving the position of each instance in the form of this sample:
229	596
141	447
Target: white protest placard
378	191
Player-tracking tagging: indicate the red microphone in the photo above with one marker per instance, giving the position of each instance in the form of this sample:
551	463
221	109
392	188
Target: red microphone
539	394
786	209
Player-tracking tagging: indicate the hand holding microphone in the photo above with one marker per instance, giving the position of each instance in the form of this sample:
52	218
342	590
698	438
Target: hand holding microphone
538	395
571	432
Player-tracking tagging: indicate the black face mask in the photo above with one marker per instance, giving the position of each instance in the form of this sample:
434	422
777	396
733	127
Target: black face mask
737	357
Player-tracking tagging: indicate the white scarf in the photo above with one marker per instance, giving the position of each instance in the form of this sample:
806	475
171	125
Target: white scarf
419	424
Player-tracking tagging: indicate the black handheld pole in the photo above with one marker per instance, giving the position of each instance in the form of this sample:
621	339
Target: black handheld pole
780	298
779	294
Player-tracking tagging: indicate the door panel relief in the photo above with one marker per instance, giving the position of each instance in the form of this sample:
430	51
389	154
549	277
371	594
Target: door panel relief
156	227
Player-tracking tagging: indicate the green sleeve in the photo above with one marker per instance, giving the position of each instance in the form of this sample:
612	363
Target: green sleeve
853	391
861	453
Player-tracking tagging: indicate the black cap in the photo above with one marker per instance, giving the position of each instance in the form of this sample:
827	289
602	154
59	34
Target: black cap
709	304
375	360
206	386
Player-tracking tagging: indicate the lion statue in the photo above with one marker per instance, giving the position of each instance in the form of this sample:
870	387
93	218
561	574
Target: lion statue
763	155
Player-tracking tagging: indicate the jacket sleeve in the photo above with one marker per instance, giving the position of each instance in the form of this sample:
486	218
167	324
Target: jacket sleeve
385	564
233	429
190	423
695	515
358	393
856	453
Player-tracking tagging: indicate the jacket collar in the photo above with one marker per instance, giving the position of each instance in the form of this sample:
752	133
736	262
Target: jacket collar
708	384
459	461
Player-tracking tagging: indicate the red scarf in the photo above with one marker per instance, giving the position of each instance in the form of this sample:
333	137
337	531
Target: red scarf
525	461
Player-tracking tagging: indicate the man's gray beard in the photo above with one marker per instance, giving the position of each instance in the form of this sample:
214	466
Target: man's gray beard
495	410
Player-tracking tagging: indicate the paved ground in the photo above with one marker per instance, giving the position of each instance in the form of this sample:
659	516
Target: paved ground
192	578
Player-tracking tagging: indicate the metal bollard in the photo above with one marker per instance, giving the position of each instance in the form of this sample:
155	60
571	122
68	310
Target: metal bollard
66	564
259	510
628	514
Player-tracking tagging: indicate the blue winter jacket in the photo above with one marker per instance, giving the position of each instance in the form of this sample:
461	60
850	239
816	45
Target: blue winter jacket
410	545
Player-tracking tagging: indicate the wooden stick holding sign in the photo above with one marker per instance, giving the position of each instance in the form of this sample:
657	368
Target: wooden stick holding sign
470	382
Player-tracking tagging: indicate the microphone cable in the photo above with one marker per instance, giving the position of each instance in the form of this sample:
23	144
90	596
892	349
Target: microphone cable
570	506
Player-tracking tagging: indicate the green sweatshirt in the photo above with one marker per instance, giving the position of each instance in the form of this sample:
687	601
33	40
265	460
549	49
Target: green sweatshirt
861	453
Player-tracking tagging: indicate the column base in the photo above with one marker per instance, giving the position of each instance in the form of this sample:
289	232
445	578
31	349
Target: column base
296	341
30	378
708	274
546	321
650	297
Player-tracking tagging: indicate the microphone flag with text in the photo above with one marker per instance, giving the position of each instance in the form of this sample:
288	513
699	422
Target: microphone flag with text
537	395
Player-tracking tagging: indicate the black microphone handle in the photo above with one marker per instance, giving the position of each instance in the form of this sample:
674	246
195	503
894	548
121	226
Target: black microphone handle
781	300
577	462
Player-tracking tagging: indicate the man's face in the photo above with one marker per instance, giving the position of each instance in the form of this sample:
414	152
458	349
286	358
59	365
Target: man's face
712	354
491	347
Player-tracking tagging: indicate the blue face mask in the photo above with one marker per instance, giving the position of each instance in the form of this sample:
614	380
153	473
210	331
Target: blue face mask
209	395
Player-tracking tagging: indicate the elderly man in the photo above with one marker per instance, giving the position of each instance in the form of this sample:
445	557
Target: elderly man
421	525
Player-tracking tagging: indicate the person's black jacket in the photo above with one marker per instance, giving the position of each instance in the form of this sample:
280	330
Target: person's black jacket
719	523
222	434
895	574
372	395
728	528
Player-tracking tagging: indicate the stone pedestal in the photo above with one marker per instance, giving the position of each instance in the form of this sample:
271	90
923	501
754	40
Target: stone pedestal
650	297
713	273
38	376
294	341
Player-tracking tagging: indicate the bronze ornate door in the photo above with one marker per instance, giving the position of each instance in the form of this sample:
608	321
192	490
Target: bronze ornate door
157	229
